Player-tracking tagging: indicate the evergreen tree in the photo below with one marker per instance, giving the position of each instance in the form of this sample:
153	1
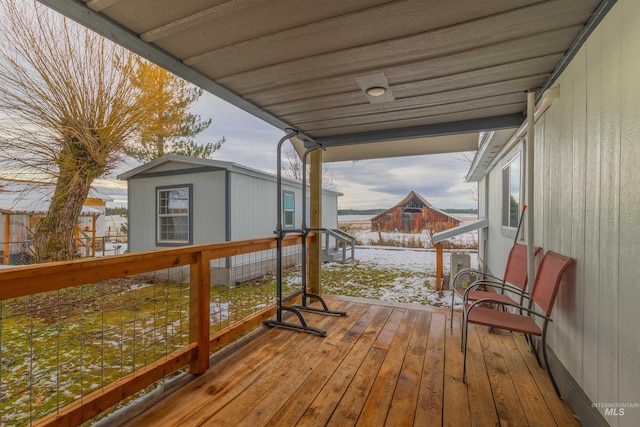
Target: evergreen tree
170	131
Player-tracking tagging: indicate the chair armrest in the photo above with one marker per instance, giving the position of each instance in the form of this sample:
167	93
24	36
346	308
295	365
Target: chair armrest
475	285
518	306
464	271
503	286
474	270
488	280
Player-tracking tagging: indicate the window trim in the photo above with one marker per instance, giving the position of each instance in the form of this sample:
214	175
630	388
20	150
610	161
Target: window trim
509	229
286	193
189	241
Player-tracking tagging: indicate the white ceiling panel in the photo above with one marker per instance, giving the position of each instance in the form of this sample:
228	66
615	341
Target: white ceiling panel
457	66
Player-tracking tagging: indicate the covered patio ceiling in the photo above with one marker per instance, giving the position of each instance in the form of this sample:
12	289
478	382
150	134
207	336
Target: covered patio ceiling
445	68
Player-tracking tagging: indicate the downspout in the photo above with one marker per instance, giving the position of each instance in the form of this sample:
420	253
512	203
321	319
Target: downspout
227	212
531	122
484	232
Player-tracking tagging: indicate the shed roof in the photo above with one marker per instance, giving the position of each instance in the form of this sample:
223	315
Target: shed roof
147	169
449	68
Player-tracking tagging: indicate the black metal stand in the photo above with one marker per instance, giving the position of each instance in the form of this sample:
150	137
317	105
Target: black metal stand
280	234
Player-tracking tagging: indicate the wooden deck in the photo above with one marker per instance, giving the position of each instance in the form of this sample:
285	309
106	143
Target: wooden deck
394	365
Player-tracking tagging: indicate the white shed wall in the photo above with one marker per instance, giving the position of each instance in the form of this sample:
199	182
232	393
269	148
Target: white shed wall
587	193
253	207
329	211
208	208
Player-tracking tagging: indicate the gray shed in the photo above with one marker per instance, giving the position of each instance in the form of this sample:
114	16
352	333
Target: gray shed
178	200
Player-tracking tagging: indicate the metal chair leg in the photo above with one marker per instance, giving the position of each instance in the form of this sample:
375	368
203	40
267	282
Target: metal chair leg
463	322
464	357
546	361
453	297
533	350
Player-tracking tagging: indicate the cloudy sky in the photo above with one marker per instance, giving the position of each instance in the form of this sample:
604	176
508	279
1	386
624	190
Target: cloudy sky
379	183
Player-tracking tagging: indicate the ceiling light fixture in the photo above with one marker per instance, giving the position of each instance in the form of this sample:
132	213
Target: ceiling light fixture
376	91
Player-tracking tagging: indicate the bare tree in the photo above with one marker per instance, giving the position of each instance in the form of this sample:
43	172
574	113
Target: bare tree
68	109
467	157
292	168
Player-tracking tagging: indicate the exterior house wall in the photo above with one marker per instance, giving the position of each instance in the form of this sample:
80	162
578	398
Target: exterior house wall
500	238
587	194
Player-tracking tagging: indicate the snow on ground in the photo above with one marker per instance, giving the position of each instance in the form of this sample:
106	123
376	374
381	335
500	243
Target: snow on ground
391	274
405	259
365	237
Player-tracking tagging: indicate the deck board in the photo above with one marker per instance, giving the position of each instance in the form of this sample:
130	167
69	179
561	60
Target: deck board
505	397
384	364
455	395
429	405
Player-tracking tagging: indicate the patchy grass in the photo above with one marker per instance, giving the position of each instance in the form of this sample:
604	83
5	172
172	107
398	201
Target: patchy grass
59	346
382	283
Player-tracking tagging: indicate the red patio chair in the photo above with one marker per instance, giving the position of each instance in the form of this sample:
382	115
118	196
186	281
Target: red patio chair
514	280
545	289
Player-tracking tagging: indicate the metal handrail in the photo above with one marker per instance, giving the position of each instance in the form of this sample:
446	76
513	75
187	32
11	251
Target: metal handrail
340	237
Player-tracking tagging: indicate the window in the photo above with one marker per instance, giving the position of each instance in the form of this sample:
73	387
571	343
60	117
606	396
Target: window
511	192
288	207
174	215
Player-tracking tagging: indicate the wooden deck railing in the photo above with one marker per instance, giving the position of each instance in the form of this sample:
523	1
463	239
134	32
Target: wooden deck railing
32	280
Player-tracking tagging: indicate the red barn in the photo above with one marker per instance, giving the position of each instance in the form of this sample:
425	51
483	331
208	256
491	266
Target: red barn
412	215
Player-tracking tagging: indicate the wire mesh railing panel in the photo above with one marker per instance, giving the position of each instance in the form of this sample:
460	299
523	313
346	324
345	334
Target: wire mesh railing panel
246	283
62	344
59	346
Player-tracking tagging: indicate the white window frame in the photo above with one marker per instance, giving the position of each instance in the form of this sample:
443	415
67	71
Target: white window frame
512	185
184	211
292	222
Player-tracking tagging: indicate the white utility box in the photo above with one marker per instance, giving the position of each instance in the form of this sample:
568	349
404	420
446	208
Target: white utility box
459	261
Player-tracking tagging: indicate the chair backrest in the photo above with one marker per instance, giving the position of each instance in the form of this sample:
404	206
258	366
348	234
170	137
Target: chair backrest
548	277
516	271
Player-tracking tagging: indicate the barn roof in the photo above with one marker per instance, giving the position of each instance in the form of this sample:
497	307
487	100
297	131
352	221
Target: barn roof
412	194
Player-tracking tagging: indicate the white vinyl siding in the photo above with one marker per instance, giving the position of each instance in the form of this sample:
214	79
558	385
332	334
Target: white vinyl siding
587	194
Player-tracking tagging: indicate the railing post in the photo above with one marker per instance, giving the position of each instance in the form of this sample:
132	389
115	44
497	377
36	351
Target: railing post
200	276
315	248
439	266
353	248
